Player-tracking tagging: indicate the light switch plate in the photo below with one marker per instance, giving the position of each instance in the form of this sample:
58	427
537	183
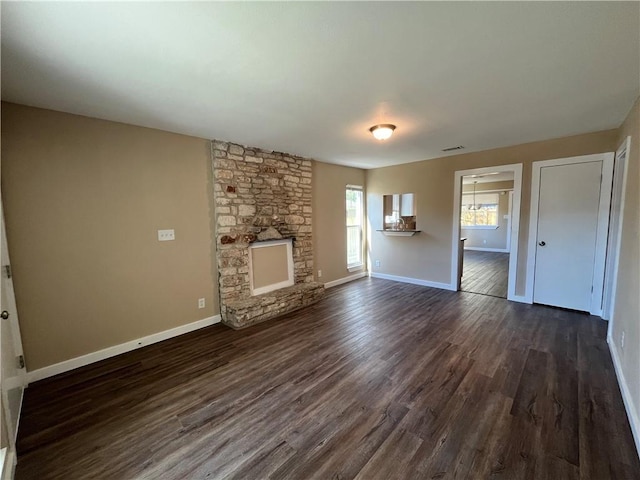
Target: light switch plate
166	235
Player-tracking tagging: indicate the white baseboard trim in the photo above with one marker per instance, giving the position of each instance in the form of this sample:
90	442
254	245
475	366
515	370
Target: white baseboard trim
415	281
482	249
519	299
350	278
9	463
632	414
109	352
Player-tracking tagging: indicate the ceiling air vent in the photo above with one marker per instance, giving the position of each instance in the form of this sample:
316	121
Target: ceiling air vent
451	149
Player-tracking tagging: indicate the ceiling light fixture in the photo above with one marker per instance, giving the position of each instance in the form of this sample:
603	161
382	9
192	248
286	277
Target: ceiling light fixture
382	131
474	206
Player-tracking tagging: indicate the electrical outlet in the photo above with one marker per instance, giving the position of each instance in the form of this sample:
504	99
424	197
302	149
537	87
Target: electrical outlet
319	273
484	242
201	303
166	235
377	263
622	340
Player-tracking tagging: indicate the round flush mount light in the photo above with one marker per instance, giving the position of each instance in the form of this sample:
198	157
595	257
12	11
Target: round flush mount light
382	131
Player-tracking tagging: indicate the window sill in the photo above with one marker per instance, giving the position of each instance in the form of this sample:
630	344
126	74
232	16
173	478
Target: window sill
480	227
355	268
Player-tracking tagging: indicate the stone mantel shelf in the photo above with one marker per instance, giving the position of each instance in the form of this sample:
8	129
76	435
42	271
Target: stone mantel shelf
400	233
283	239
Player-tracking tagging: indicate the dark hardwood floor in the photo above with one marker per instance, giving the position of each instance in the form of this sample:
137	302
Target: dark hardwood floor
486	273
380	380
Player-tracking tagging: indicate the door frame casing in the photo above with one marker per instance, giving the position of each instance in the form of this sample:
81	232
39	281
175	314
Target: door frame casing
10	459
510	214
516	168
613	250
602	229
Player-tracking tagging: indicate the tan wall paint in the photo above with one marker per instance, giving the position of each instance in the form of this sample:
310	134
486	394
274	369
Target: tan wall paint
627	304
427	255
83	200
329	218
493	238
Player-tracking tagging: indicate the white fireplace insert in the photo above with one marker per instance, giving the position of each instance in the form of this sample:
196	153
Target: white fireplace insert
270	265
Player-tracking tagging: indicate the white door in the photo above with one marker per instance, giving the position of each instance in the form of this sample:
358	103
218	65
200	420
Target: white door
568	214
12	371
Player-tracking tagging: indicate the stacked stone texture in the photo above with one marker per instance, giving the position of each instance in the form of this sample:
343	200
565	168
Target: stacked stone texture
256	189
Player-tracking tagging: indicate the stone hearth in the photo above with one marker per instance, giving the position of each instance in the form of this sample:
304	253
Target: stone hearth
258	192
242	313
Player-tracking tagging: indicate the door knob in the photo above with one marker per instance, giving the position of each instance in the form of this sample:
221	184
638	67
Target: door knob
4	315
542	244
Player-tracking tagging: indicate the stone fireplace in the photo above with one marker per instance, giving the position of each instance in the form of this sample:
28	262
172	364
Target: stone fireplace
262	196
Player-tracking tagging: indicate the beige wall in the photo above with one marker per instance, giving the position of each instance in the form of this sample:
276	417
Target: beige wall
627	305
83	200
329	218
481	238
427	255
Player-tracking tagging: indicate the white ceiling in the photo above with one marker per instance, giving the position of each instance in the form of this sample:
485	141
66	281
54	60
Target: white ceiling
311	78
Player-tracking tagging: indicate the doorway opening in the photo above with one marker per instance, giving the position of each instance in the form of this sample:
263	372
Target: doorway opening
485	227
485	233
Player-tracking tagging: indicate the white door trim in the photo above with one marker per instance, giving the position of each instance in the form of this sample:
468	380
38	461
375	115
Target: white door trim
603	222
613	250
510	215
516	168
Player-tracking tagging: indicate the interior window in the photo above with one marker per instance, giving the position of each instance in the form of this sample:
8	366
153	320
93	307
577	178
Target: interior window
480	209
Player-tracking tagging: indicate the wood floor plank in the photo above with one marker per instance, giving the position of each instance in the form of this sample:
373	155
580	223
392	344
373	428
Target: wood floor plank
447	450
486	273
489	455
560	428
598	424
393	457
378	380
363	442
264	462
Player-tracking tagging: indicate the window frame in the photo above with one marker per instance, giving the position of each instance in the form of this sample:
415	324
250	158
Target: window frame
359	265
475	225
